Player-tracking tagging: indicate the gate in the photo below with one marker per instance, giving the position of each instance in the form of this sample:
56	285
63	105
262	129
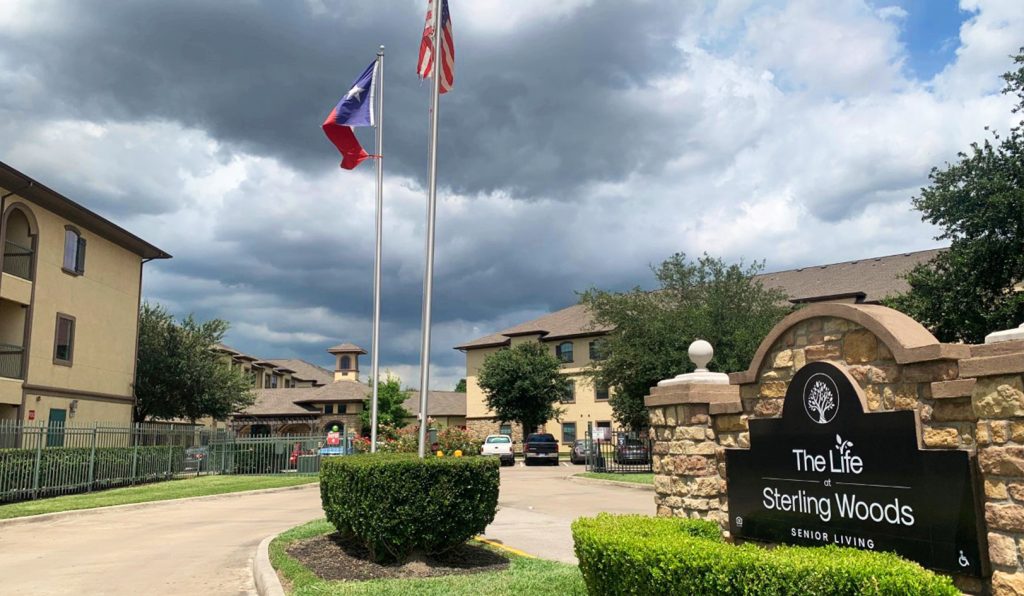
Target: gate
618	452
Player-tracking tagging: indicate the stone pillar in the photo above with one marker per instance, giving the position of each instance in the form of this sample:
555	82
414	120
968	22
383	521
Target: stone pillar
993	378
689	468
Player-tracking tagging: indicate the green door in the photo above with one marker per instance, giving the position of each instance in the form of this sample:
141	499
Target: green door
55	430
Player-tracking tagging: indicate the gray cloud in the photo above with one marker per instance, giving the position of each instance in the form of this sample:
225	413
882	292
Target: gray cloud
582	142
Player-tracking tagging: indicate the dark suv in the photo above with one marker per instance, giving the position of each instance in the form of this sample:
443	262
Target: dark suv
540	447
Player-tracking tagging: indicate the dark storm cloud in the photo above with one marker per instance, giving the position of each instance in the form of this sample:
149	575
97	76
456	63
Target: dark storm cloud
577	147
533	111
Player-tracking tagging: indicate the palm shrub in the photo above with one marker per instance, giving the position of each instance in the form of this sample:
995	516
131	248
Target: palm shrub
400	506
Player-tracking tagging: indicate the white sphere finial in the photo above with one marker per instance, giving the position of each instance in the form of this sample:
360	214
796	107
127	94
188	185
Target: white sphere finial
700	353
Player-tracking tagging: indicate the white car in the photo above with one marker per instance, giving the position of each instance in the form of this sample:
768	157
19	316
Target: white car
500	446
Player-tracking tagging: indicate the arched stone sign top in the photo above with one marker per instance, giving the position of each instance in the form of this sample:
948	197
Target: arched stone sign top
907	339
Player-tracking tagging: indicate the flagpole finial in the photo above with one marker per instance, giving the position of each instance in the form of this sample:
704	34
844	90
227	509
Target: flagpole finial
380	50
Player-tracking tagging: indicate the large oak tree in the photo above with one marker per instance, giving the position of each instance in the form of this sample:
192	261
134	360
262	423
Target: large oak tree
178	375
651	331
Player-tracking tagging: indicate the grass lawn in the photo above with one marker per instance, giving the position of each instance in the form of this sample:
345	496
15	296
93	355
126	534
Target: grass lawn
524	575
634	478
157	491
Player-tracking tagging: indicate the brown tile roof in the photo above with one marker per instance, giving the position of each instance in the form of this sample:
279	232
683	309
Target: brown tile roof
872	280
568	322
345	348
277	401
338	391
305	370
439	403
864	280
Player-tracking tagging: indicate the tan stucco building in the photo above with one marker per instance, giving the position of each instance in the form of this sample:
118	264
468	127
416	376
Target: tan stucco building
69	308
572	336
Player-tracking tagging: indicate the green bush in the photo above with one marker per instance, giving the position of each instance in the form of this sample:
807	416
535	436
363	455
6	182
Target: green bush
398	505
633	554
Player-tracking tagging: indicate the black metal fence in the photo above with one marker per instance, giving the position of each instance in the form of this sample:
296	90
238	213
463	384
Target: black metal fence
43	459
619	452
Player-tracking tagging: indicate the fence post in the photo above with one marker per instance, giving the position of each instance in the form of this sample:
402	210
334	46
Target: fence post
135	453
588	463
39	457
170	456
92	458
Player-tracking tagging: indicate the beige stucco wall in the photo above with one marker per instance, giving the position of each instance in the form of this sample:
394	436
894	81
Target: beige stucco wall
586	409
88	411
104	302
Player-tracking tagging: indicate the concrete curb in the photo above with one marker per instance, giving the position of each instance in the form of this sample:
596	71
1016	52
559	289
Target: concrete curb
43	517
263	573
633	485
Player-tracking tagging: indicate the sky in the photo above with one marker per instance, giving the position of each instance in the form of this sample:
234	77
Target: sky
583	142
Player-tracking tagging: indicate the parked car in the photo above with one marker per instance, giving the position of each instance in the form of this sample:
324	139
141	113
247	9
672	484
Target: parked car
500	446
581	449
632	451
540	447
196	458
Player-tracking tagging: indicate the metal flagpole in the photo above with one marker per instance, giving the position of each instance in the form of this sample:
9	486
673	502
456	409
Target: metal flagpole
428	277
375	351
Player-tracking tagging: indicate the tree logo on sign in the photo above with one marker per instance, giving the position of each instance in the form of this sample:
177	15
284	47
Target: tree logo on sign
820	398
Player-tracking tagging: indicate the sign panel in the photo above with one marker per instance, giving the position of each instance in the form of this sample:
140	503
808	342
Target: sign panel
828	473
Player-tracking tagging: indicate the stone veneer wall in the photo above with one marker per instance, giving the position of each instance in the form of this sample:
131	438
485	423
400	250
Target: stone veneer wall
479	428
974	403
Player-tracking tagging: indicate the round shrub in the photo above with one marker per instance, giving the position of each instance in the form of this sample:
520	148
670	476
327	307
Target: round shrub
399	505
632	554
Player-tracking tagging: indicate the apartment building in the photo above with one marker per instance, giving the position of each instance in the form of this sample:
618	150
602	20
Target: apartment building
70	288
573	338
294	397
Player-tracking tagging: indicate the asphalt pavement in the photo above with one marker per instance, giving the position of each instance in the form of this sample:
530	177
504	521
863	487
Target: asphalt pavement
205	546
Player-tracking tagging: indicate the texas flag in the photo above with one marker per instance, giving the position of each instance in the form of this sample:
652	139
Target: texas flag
355	109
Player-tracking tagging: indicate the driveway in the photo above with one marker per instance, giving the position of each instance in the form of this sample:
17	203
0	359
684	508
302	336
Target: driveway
537	505
206	546
171	547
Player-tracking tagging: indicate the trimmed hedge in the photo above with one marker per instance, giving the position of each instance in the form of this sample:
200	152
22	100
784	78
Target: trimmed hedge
399	505
631	554
64	470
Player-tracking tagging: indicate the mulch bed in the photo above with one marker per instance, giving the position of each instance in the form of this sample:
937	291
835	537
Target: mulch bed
333	558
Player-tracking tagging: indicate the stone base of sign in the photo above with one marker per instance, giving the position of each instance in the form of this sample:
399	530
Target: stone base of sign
965	397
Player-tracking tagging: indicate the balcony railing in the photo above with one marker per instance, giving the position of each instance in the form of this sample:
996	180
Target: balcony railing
11	358
17	260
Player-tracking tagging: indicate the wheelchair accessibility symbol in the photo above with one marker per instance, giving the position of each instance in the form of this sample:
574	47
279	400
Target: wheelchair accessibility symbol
963	560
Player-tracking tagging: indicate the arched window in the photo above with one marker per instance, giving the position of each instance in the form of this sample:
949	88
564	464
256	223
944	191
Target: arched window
19	248
346	362
563	351
74	251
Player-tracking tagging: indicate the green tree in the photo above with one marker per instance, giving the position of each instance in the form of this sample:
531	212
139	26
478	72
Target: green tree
178	375
390	411
650	332
461	386
523	384
975	288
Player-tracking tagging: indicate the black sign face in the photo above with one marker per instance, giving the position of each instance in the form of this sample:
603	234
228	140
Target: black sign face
827	473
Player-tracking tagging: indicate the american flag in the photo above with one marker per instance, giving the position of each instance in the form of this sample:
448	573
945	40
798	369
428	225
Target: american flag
426	62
